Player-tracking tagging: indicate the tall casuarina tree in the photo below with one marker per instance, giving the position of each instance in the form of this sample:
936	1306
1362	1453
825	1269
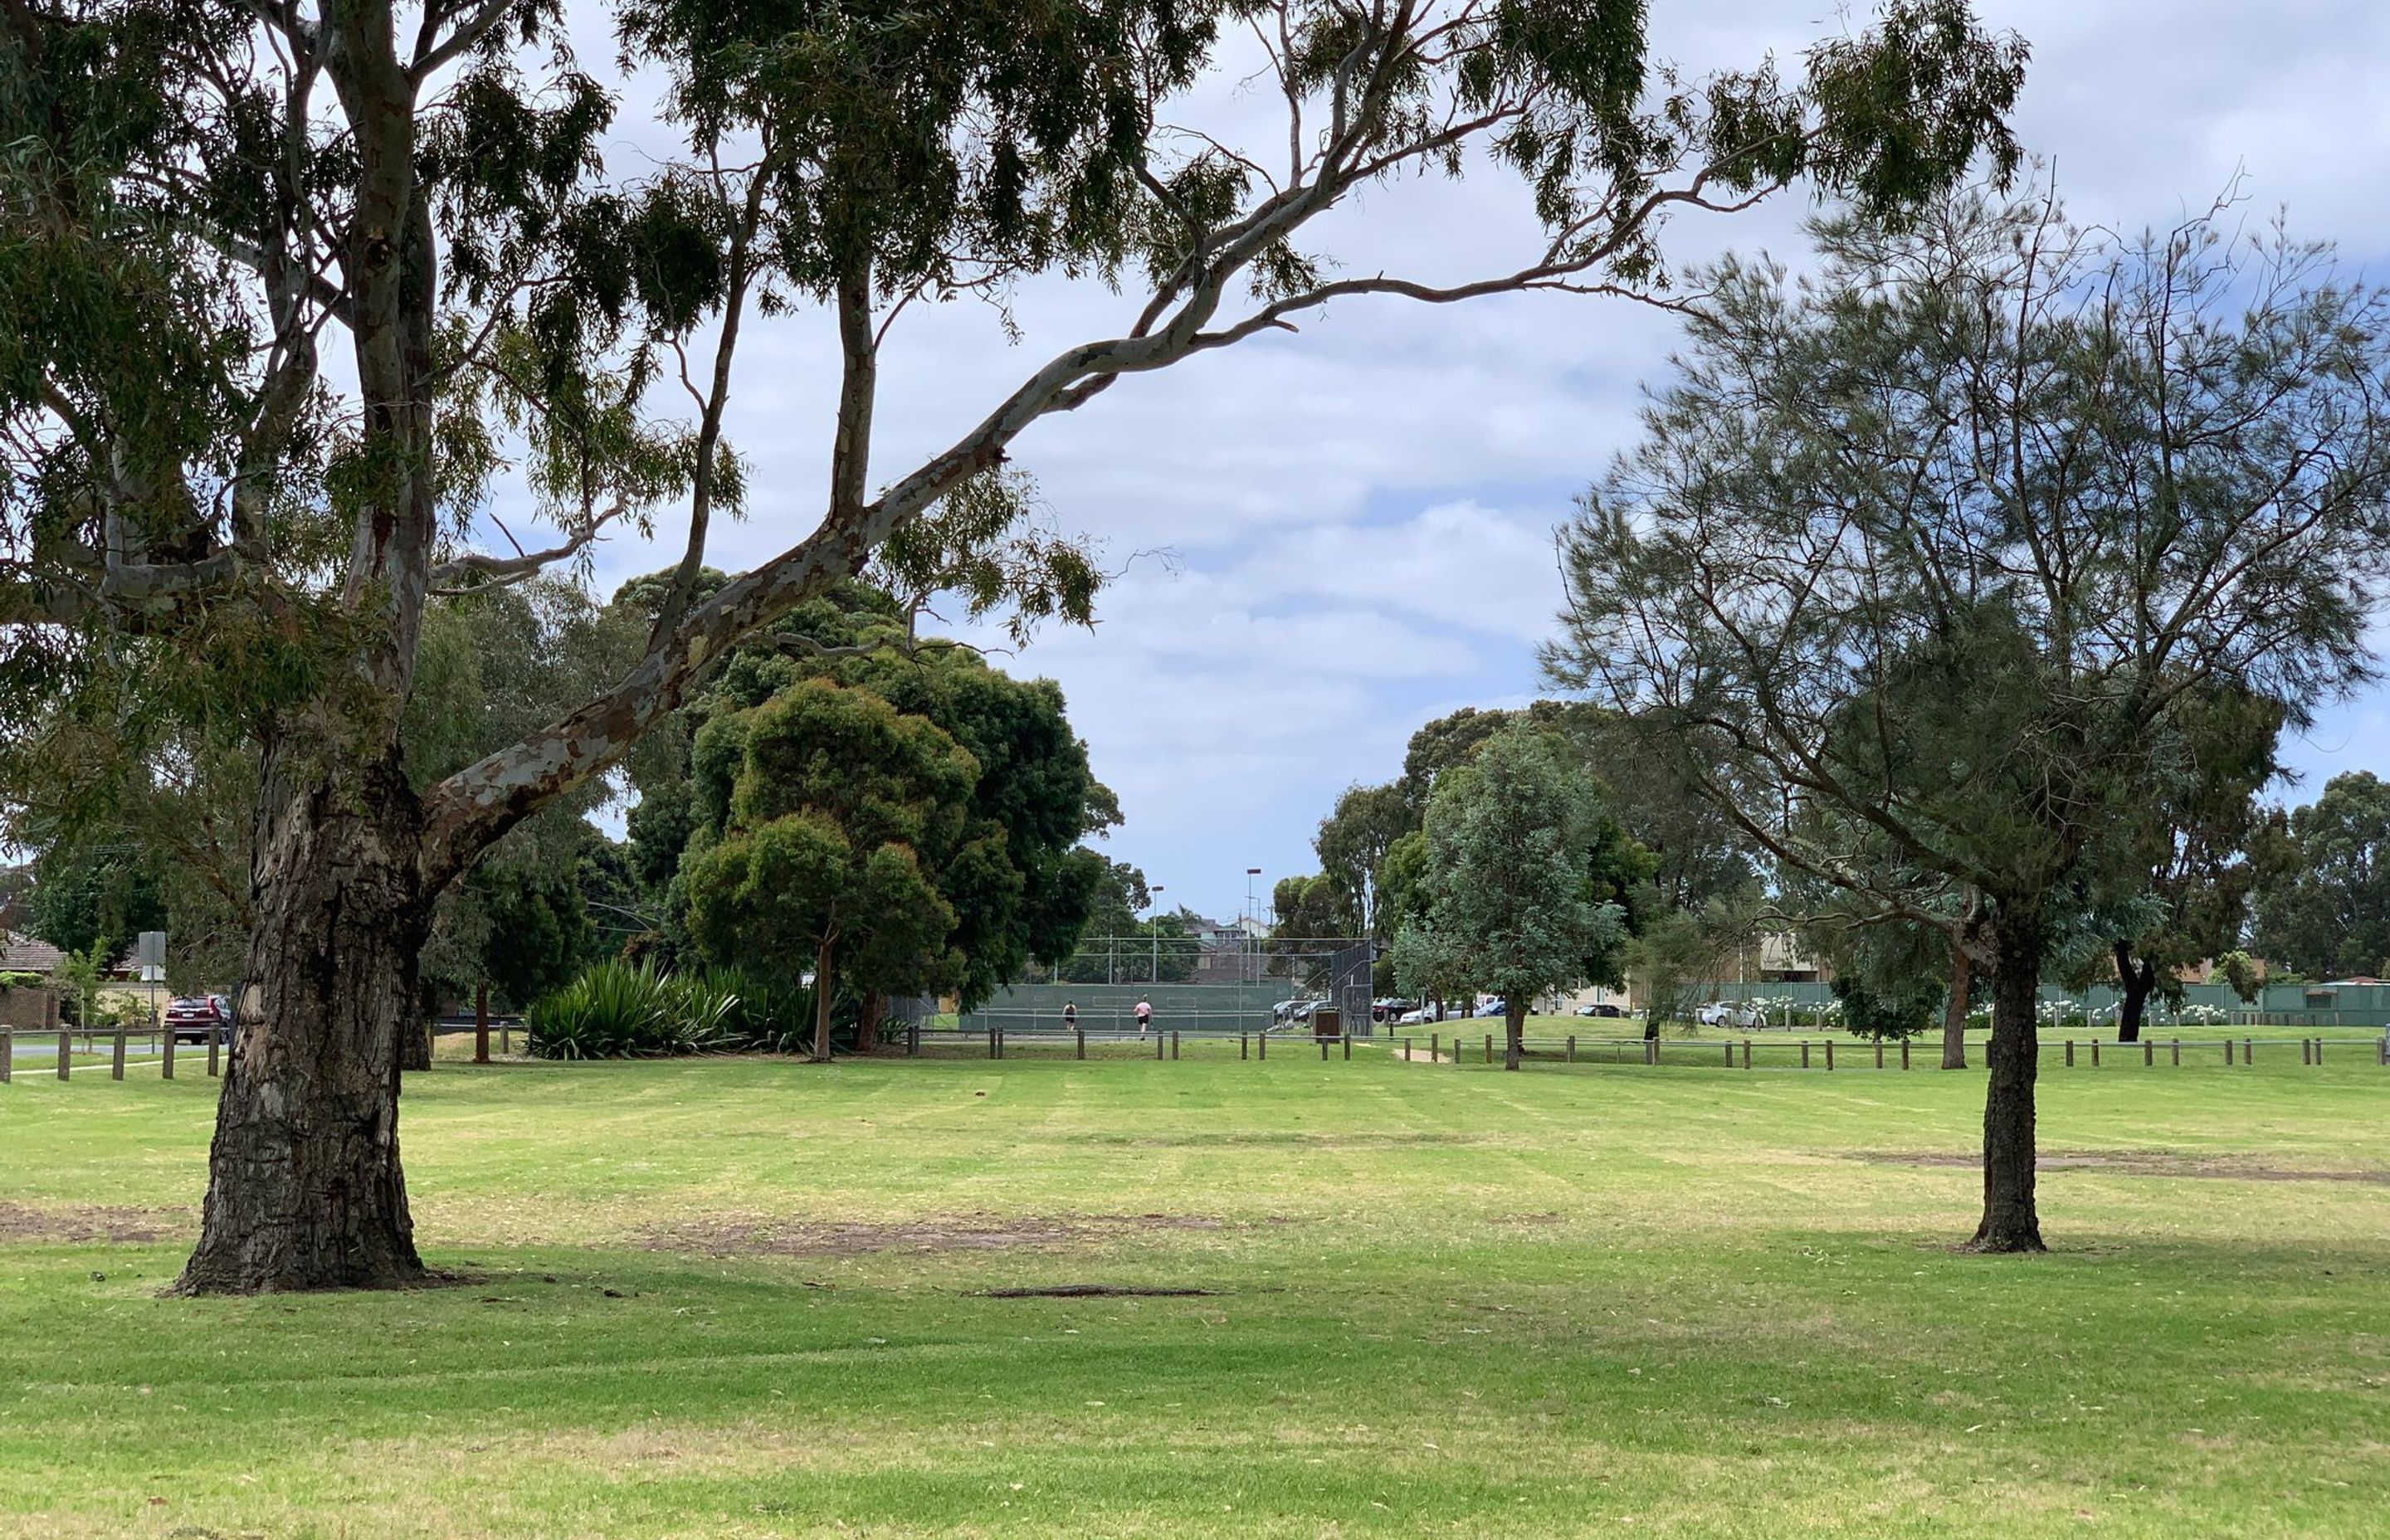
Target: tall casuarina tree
1927	570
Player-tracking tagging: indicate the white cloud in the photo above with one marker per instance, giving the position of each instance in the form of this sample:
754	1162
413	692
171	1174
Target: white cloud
1363	510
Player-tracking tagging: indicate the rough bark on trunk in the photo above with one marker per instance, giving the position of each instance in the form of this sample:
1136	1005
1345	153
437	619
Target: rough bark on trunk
2011	1222
305	1189
867	1028
481	1023
822	1001
1514	1045
2135	982
1954	1010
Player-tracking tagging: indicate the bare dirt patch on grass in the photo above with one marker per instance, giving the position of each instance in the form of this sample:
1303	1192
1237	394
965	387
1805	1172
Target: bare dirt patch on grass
970	1232
2136	1162
83	1223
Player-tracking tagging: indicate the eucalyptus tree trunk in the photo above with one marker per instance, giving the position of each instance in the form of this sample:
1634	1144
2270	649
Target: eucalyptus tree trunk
304	1188
1514	1018
821	999
2135	984
2011	1222
1954	1010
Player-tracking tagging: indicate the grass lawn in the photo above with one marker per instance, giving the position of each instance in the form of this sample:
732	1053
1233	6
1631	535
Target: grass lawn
745	1298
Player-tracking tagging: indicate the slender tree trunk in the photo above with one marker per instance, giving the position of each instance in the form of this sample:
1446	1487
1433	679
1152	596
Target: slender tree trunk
2011	1222
1954	1010
2135	982
1514	1017
415	1042
481	1023
304	1188
822	1001
867	1029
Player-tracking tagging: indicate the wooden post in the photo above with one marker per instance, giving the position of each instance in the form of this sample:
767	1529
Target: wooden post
66	1052
481	1023
1261	1046
1903	1053
166	1053
2303	1050
1746	1053
2178	1053
1348	1047
1489	1048
1244	1046
1407	1050
1572	1047
2070	1052
214	1039
1157	1048
7	1054
2248	1052
2228	1053
1434	1046
2149	1052
1081	1032
1829	1055
2094	1053
506	1039
1804	1053
1878	1053
116	1061
2319	1058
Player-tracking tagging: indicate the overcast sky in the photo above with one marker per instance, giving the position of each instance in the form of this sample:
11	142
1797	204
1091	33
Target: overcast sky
1356	521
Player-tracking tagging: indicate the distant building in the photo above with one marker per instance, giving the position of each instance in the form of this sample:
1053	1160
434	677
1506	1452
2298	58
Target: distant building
24	954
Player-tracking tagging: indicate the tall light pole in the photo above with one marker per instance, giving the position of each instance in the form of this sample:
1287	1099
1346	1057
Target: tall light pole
1155	974
1251	872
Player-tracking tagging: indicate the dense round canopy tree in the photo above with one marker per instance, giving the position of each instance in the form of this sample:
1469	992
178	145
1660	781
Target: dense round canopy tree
825	815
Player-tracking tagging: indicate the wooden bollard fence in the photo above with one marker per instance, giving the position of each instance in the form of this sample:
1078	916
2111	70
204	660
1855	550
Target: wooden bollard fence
1407	1050
1903	1053
1082	1034
2149	1051
1829	1055
1157	1048
2094	1053
66	1052
2248	1052
1348	1047
2178	1053
1174	1044
1244	1046
1746	1053
2070	1052
1261	1045
1489	1048
2228	1053
1572	1047
1878	1053
166	1053
116	1056
1434	1046
1804	1053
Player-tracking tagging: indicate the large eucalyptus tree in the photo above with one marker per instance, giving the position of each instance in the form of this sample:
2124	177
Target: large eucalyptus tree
286	285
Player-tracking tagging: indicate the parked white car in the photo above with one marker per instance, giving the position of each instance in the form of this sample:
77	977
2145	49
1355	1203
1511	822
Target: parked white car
1738	1014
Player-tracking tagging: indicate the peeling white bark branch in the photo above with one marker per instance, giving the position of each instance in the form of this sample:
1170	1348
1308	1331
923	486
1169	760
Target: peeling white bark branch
464	573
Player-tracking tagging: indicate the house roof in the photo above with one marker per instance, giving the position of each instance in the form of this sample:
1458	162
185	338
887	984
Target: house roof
23	954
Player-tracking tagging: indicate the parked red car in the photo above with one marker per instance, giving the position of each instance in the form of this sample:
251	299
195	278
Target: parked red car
196	1016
